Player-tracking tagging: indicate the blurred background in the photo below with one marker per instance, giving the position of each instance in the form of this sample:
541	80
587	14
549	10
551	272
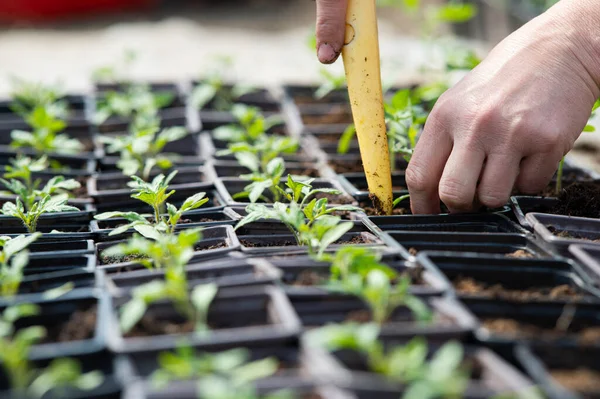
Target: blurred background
66	40
266	42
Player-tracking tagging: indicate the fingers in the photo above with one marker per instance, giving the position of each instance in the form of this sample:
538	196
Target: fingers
459	179
425	168
331	27
498	179
536	172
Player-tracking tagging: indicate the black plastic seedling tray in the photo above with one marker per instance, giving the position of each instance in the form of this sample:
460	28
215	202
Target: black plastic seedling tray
62	248
559	232
413	242
550	276
349	369
522	205
49	262
219	169
458	223
228	187
589	257
319	308
273	244
229	272
56	313
542	316
215	243
303	274
238	316
192	219
541	362
102	361
32	285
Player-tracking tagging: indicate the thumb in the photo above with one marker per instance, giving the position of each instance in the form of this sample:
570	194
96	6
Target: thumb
331	27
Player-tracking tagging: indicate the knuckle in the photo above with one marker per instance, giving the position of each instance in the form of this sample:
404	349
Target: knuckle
493	199
454	193
416	179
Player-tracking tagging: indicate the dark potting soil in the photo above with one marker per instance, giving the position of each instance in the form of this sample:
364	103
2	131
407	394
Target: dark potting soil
579	380
200	247
516	329
579	199
337	114
309	278
369	208
111	260
346	166
249	244
568	234
80	326
470	286
150	326
342	199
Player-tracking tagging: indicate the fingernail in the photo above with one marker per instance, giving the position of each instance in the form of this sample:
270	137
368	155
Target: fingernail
326	53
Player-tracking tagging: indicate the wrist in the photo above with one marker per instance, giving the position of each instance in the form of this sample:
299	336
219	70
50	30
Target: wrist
580	23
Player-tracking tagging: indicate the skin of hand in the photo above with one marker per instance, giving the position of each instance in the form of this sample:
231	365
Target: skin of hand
509	122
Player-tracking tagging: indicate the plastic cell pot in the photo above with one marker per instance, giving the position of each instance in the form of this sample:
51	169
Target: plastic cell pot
326	114
61	248
349	369
463	223
267	227
218	169
504	323
518	279
522	205
75	323
228	272
237	317
356	184
120	199
305	95
210	119
228	187
317	308
303	274
274	244
49	262
258	97
189	220
300	387
352	163
71	166
548	366
410	243
559	232
110	388
187	153
215	243
35	285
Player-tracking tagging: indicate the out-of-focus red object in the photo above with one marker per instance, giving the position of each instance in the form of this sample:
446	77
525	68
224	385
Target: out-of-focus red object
45	10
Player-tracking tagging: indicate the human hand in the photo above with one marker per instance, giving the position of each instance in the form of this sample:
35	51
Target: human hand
331	29
511	120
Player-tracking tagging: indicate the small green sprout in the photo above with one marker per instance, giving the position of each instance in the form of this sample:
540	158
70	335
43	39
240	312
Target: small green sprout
442	376
27	96
187	364
46	204
170	253
137	102
142	149
45	136
15	347
251	125
154	194
14	257
359	272
312	223
330	84
19	181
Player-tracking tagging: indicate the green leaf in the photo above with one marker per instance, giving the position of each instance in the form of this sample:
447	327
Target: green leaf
194	202
346	139
456	12
202	95
59	291
131	313
334	234
258	188
148	231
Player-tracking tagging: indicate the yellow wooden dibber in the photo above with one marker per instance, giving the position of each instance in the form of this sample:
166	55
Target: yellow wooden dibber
363	74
